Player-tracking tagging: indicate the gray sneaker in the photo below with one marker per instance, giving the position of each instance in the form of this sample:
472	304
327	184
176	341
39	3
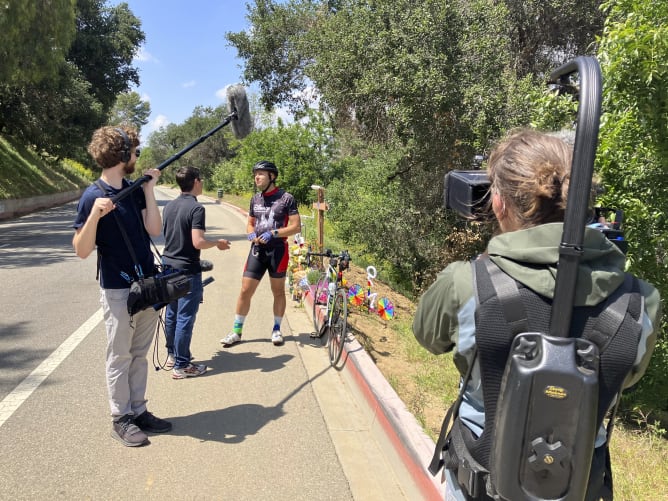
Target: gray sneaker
128	433
192	370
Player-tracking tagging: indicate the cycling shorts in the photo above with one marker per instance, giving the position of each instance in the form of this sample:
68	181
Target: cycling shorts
262	258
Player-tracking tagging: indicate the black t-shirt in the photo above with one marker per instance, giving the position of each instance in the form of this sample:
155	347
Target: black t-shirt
179	218
116	265
271	211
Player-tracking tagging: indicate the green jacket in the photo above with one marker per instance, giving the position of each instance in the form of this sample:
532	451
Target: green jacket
445	314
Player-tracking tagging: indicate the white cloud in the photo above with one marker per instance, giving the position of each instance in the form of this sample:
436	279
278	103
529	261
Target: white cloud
191	83
145	56
155	124
222	93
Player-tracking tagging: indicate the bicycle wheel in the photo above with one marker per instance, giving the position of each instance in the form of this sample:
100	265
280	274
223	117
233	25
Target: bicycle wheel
320	291
339	327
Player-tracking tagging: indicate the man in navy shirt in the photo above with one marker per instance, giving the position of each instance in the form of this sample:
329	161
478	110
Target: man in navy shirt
184	227
98	224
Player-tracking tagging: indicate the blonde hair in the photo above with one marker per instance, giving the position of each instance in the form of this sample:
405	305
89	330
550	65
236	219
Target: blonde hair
106	146
530	170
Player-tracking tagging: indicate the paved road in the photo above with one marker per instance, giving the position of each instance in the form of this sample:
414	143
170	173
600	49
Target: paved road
265	422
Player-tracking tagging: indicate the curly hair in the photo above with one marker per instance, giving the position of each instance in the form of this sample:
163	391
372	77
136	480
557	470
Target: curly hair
107	145
530	170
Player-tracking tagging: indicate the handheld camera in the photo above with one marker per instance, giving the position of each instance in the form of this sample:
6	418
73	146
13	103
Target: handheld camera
467	193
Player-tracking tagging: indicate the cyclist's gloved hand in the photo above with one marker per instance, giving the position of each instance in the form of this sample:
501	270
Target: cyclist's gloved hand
266	237
252	236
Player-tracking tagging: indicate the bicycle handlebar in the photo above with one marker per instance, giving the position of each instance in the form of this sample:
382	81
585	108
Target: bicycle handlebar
344	256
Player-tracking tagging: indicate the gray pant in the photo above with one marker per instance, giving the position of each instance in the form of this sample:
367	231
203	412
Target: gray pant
128	342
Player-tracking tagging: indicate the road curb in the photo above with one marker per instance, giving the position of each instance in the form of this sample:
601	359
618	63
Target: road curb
412	445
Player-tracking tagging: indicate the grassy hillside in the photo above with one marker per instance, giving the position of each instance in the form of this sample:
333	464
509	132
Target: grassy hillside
24	173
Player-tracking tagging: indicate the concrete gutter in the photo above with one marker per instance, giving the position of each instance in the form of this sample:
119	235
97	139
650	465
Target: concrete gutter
12	208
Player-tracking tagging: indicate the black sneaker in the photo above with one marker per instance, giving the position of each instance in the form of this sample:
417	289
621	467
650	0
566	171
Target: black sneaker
148	422
128	433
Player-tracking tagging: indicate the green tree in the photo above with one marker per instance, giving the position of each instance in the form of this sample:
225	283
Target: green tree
270	50
299	150
106	42
633	150
129	108
35	36
55	116
545	33
425	85
58	114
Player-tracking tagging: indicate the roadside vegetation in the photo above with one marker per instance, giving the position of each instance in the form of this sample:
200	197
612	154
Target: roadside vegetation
24	173
387	97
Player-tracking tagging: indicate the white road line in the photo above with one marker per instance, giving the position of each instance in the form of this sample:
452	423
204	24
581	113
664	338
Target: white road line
21	393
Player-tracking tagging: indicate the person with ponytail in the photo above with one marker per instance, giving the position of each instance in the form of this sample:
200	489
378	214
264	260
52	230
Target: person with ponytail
529	174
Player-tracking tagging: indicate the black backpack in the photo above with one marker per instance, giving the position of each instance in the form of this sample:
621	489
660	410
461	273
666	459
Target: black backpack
545	397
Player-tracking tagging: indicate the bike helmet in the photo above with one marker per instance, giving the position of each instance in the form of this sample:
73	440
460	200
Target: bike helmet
265	165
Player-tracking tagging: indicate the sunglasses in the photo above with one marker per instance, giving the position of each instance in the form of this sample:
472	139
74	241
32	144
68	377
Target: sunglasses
137	152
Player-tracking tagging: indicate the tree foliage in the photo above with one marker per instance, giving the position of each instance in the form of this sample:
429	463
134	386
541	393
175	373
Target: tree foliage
107	40
35	36
633	149
58	114
130	109
270	51
301	151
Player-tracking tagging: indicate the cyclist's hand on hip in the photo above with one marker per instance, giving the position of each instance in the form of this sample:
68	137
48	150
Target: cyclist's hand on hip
252	236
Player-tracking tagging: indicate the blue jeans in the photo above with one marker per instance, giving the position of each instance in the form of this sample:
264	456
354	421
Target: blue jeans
180	320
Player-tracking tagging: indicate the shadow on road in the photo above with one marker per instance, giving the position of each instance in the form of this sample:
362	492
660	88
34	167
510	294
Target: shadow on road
233	424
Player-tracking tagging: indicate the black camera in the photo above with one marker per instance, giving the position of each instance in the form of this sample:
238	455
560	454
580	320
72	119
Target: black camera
467	193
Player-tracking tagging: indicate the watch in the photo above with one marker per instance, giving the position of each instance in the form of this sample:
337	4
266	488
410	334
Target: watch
275	233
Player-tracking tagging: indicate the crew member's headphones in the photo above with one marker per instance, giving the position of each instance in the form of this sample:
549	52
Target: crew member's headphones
125	152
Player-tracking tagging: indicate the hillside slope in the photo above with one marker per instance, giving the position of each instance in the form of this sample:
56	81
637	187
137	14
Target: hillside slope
25	173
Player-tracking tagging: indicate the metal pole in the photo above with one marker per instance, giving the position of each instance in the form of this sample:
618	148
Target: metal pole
321	219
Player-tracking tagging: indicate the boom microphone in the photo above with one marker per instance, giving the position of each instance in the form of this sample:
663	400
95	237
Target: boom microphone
238	103
239	117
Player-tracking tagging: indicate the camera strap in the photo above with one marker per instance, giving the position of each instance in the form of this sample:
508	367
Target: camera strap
126	239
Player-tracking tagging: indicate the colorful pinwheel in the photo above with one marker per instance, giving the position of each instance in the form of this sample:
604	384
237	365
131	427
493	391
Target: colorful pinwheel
356	295
385	308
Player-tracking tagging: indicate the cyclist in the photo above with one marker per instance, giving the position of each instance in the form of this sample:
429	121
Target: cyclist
272	217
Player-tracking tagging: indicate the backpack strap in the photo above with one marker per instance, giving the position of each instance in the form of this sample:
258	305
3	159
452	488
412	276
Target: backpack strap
515	315
509	297
437	461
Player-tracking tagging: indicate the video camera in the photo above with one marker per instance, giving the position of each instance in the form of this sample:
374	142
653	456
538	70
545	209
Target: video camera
467	193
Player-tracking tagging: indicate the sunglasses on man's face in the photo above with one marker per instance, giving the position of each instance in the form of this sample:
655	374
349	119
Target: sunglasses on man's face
137	152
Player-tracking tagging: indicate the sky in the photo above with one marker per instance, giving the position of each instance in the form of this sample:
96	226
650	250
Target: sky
185	60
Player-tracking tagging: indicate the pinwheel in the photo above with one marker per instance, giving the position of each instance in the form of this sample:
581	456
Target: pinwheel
385	308
356	295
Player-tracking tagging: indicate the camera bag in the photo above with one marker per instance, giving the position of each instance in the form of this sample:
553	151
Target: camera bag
156	290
